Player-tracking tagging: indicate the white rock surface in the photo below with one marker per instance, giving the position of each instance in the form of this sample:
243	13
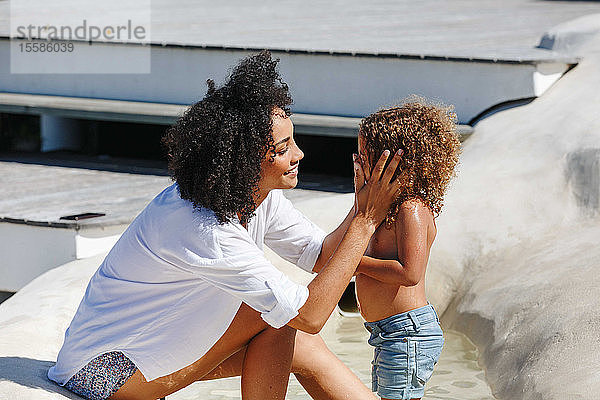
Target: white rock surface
570	36
532	310
32	328
520	243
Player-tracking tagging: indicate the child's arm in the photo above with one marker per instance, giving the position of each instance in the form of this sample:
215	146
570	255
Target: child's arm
412	226
387	271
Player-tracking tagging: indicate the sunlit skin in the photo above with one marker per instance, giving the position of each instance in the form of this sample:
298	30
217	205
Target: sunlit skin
391	279
391	276
280	169
264	356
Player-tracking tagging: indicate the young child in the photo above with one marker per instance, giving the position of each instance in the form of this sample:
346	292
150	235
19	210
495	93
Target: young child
390	280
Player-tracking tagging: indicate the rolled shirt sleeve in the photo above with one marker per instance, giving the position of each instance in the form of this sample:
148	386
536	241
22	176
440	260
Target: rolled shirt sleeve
291	235
237	266
288	303
250	277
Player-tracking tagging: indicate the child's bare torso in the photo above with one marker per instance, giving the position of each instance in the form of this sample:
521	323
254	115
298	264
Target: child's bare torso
379	300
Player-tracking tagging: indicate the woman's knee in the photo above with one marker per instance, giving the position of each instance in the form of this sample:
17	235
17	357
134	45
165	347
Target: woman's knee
310	354
306	342
249	320
285	335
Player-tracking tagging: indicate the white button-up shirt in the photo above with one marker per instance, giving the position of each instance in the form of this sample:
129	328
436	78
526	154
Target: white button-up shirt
172	284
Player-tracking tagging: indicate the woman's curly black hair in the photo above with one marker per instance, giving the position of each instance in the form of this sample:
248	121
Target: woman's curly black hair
216	148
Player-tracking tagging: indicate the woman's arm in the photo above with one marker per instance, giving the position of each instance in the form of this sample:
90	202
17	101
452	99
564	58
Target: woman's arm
332	240
325	290
327	287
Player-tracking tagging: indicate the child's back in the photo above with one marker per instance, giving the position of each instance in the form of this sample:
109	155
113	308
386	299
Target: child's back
390	281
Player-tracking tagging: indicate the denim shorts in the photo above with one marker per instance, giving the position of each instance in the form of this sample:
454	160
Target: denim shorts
102	376
407	346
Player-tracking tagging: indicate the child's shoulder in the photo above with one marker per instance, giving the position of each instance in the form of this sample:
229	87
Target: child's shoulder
415	205
415	211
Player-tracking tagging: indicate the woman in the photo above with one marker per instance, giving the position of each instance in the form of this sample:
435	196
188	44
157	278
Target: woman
186	294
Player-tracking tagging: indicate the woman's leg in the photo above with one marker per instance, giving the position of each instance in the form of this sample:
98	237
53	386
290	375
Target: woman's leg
266	362
322	374
317	369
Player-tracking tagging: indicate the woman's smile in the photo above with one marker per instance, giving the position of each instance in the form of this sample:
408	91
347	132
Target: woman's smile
292	172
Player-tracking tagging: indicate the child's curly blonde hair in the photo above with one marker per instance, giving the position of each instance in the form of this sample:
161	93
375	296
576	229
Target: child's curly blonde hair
427	134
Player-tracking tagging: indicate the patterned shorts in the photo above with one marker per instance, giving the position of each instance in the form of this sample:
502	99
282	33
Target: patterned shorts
102	376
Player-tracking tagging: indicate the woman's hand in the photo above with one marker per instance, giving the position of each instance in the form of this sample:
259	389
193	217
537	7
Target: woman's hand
376	190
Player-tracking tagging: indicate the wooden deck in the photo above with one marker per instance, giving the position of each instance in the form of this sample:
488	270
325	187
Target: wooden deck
41	195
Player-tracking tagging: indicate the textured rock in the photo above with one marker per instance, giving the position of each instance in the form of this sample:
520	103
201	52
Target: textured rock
522	224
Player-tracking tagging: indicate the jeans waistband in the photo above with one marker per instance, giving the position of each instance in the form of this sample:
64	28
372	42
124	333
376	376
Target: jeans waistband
413	318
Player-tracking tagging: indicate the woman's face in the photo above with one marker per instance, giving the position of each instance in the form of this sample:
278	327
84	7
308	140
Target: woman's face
282	172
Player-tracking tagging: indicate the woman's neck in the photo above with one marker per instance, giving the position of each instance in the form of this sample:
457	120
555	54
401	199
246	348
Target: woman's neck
258	197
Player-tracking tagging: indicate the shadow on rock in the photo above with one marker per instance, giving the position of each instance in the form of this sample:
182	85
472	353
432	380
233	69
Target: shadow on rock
31	373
